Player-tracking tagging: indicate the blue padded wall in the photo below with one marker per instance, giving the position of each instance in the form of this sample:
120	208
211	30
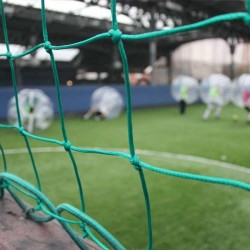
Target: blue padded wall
76	99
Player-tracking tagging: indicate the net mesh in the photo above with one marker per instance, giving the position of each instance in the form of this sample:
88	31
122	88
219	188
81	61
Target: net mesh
13	183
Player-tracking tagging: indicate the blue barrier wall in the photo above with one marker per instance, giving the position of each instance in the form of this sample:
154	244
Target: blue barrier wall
76	99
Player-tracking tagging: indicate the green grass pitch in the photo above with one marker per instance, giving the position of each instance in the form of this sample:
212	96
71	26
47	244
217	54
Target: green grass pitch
185	214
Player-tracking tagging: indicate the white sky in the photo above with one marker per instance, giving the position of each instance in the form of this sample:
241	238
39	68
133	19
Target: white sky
74	7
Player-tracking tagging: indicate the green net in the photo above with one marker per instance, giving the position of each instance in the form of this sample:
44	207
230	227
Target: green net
13	183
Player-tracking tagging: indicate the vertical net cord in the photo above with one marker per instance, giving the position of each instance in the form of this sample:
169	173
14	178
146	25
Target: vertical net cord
131	144
13	76
2	186
8	54
67	145
4	159
247	6
130	123
113	15
128	98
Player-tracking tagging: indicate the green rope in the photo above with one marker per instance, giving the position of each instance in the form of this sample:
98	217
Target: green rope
247	19
186	28
47	45
4	159
13	76
2	184
13	183
247	5
92	223
113	14
41	198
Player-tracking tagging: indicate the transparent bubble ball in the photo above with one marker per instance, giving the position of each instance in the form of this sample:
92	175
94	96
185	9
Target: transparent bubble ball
185	88
216	88
35	107
108	101
240	86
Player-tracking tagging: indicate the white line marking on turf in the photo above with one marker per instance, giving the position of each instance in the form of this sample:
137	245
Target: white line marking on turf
142	152
194	159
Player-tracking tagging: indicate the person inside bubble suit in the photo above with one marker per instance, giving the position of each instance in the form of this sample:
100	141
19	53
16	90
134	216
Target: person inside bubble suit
246	102
214	103
106	103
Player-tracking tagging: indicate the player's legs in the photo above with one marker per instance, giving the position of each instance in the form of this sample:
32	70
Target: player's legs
89	114
248	114
248	117
182	106
218	110
208	111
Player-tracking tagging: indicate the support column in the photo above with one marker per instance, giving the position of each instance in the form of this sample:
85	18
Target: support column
232	42
232	65
169	67
152	58
152	46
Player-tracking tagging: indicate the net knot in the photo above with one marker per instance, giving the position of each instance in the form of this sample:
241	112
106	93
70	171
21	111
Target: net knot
22	130
8	54
83	227
115	35
3	185
247	20
67	146
135	161
29	211
47	46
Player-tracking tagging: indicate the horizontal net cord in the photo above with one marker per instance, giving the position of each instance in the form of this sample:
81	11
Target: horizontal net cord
130	37
25	53
196	177
202	24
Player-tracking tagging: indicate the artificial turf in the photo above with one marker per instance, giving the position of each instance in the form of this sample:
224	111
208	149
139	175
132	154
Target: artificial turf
185	214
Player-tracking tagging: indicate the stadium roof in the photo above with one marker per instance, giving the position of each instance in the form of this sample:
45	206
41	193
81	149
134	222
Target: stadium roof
82	19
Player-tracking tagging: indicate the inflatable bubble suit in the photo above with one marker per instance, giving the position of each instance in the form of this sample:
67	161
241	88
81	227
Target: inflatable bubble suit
185	88
239	86
216	88
108	101
35	107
